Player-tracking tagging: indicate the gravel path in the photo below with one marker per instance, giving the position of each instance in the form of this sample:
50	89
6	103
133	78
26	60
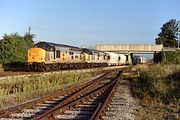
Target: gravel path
123	106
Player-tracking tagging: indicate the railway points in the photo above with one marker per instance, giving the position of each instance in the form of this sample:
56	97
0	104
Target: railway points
49	106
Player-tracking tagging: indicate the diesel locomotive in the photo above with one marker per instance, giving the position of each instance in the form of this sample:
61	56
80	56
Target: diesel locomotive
47	56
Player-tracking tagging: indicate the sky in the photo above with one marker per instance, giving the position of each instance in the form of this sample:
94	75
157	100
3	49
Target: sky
85	23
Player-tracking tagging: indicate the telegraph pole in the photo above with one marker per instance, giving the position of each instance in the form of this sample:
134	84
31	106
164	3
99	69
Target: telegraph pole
178	33
29	30
178	41
82	36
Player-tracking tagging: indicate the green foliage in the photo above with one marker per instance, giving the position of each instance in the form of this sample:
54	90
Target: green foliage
159	83
16	90
14	47
167	36
172	57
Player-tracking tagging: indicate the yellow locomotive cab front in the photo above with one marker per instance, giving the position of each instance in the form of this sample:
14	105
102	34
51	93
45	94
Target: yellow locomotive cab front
36	55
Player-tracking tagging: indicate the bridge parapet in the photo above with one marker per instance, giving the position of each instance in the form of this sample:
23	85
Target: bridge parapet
129	48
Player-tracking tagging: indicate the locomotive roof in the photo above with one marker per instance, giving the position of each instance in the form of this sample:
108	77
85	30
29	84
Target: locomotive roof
49	45
57	45
91	51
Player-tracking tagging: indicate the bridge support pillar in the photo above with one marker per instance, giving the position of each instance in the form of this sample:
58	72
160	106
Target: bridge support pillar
130	58
158	57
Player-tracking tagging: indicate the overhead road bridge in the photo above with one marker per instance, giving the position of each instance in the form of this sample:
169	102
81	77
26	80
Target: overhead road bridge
130	49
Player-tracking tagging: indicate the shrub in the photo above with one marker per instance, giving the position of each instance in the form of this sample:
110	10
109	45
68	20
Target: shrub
159	82
172	57
14	47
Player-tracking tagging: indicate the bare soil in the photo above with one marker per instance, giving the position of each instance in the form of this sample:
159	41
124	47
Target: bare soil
11	73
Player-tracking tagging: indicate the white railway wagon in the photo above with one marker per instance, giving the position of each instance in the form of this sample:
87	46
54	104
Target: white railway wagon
113	59
139	60
122	59
116	59
143	60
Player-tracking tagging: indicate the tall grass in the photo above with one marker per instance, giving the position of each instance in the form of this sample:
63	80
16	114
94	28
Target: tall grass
158	83
13	91
1	68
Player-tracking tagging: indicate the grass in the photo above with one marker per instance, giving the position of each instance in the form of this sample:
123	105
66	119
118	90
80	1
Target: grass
1	68
17	90
158	82
158	89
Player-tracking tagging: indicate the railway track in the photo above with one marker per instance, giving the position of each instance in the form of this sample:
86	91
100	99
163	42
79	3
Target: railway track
87	100
11	75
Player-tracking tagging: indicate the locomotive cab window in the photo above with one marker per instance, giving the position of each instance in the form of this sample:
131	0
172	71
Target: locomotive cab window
98	57
70	53
76	56
58	53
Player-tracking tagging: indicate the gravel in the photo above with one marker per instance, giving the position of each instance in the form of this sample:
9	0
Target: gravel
123	106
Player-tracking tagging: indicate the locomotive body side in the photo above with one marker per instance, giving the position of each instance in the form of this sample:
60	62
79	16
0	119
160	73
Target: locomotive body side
55	57
46	56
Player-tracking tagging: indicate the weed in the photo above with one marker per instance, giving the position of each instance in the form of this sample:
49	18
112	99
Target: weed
158	83
19	90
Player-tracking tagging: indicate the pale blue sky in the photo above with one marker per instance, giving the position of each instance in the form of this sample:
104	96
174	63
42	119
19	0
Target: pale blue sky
88	22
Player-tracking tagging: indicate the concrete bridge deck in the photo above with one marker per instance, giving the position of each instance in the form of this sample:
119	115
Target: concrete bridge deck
130	49
136	48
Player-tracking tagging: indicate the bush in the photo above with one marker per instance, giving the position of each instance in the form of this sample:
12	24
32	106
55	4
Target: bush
14	48
172	57
159	82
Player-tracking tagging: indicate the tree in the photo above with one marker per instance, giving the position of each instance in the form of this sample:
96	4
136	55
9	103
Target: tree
167	36
14	47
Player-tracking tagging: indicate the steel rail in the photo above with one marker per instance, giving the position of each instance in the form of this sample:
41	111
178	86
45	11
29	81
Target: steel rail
102	107
30	74
50	114
7	112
